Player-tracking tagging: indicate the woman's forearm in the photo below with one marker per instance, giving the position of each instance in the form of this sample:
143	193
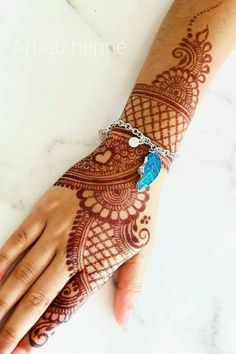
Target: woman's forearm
193	41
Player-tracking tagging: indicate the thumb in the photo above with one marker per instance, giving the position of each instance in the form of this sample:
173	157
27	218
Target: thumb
129	285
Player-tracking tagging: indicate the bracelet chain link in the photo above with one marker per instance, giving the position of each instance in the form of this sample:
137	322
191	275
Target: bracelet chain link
136	132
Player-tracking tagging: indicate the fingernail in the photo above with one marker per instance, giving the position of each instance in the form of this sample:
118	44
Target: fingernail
1	315
2	273
19	351
126	317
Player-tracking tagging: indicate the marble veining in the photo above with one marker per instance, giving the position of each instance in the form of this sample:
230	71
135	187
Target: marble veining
210	334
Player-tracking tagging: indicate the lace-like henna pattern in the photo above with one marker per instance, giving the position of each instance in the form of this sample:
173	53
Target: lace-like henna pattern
105	231
113	161
163	109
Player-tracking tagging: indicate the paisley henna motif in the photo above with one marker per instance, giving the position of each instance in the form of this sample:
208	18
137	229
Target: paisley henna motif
60	311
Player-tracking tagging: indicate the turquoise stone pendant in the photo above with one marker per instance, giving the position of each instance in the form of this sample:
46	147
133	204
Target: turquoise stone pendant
149	170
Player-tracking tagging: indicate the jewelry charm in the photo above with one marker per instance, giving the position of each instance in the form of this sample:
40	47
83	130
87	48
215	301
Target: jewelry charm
149	170
151	167
134	141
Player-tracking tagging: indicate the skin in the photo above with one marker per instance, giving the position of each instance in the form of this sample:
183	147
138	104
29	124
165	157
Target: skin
99	193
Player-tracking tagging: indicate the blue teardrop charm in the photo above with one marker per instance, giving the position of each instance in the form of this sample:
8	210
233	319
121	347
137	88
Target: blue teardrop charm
149	170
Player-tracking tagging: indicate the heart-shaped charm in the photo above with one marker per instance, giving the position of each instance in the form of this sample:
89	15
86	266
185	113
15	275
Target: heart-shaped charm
103	158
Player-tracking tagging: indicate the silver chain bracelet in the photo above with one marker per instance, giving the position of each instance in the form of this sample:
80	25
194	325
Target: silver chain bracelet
152	163
142	139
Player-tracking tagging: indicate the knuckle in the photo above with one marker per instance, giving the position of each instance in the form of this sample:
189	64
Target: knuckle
133	289
35	300
48	203
24	273
136	289
20	237
61	249
134	261
8	333
4	258
3	304
38	215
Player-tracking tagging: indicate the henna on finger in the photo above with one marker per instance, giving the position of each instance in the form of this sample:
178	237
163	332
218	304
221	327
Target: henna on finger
60	310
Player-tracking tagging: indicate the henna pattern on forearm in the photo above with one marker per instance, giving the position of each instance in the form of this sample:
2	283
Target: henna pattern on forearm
164	108
110	225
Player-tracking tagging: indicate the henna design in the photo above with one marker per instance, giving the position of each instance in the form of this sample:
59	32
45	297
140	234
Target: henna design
110	225
145	220
113	204
120	163
164	108
65	304
105	231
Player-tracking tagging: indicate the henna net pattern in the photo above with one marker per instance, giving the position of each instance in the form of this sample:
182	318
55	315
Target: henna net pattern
157	120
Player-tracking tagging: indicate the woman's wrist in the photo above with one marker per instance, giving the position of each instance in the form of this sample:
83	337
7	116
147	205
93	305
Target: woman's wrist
184	56
163	108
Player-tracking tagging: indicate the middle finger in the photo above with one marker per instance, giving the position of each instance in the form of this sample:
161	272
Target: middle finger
25	273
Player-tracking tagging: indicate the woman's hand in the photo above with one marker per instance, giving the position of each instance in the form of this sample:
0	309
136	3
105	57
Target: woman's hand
85	227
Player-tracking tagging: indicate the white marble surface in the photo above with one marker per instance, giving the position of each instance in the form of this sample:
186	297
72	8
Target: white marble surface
66	69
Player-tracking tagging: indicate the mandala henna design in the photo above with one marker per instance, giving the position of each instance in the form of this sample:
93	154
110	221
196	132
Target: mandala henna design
113	204
163	109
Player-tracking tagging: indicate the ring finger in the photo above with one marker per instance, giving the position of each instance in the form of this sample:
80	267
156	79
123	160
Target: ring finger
33	304
23	276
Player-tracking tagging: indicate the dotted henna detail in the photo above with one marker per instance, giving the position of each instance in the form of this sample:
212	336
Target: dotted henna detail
145	220
195	17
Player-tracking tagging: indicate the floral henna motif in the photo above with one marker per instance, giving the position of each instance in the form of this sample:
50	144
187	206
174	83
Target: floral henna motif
113	204
163	109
